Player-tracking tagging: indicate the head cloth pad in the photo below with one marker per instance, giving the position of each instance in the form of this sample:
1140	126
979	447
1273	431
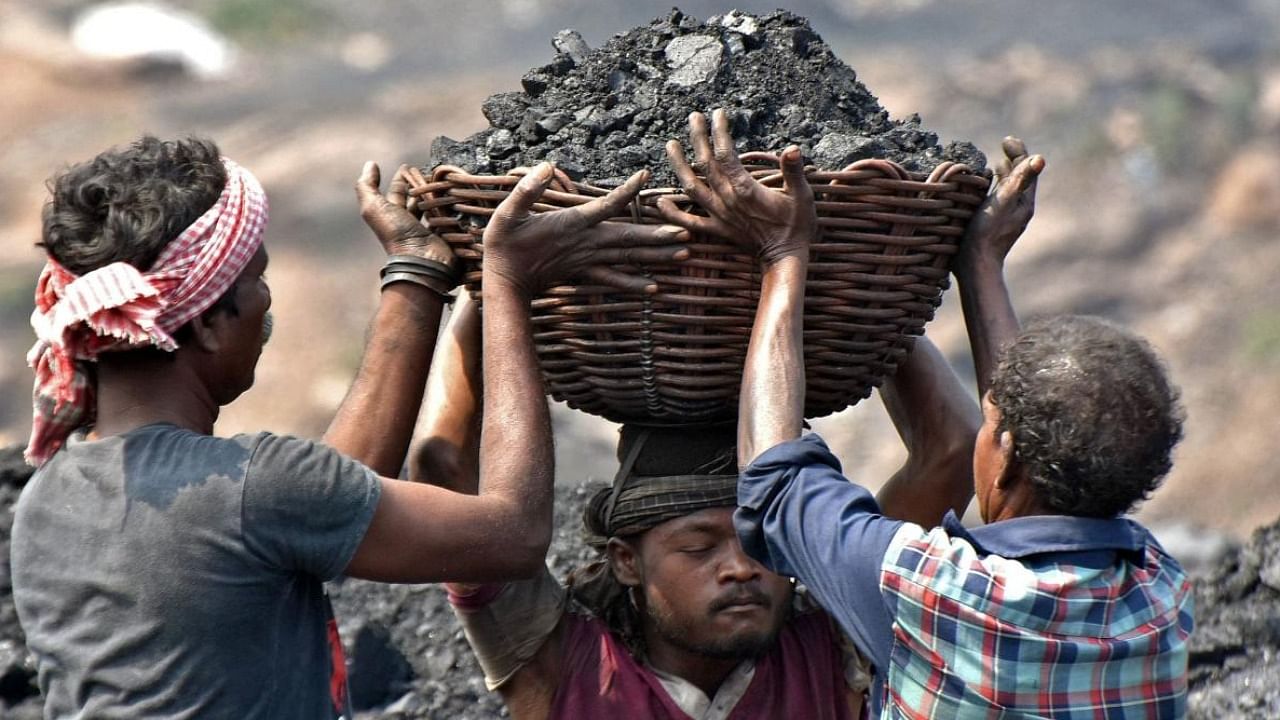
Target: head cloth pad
117	306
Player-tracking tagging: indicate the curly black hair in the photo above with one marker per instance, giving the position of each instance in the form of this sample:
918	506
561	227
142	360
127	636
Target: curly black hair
127	204
1093	415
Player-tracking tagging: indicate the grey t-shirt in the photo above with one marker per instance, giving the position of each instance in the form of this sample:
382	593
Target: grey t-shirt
164	573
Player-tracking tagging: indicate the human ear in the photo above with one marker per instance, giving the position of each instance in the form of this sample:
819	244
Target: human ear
625	561
1006	472
206	331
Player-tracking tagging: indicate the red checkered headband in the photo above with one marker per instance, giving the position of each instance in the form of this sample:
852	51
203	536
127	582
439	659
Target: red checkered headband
118	307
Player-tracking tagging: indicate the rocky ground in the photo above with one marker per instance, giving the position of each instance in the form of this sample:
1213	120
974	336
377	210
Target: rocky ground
409	660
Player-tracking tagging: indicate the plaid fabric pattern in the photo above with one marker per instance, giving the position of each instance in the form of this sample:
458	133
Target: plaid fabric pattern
117	306
990	637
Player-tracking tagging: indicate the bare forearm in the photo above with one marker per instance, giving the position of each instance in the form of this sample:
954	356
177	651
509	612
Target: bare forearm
771	405
516	454
988	315
449	452
937	421
375	422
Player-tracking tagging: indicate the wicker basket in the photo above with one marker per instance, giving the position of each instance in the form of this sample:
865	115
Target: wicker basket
876	275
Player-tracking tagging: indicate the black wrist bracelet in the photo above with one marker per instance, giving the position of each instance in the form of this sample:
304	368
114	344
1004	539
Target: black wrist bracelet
439	288
407	263
449	278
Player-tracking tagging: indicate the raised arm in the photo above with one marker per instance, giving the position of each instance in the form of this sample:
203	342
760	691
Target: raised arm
778	227
449	453
979	266
937	421
375	421
424	533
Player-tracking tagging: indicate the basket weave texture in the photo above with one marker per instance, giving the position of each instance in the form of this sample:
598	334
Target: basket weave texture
877	271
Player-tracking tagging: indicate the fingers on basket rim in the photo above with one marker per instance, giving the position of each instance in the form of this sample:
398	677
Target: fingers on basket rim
397	191
692	185
621	280
611	234
640	255
687	220
370	177
526	192
791	162
610	205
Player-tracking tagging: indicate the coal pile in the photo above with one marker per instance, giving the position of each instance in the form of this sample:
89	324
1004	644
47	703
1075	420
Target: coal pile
603	114
1235	649
19	697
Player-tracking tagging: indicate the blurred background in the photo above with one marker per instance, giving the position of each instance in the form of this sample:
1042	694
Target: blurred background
1160	207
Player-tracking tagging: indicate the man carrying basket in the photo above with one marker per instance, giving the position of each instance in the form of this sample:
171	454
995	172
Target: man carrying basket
1058	607
676	621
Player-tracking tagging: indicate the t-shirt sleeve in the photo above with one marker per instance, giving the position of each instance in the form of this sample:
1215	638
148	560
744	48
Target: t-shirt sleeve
799	516
306	506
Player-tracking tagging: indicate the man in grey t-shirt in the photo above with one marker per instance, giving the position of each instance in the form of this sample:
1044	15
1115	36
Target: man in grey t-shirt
160	571
189	572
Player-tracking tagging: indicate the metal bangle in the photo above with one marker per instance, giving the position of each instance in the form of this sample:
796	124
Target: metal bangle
419	280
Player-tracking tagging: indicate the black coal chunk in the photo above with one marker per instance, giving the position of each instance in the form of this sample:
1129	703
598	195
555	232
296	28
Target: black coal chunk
605	113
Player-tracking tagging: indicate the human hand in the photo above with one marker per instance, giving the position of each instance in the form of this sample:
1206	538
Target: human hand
770	223
535	250
394	217
1004	215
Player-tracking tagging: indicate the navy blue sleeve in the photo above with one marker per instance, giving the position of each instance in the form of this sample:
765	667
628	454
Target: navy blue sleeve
799	516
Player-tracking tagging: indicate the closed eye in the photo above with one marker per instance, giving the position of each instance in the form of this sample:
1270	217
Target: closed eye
695	549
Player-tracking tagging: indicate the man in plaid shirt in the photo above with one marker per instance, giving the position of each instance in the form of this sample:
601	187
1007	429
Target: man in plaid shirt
1058	606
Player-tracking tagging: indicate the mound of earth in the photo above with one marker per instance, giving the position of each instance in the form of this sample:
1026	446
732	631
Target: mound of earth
603	114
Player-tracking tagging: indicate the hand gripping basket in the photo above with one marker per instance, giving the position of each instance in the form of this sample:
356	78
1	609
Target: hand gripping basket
876	274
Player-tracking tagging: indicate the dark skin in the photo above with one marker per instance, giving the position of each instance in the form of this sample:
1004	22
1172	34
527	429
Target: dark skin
771	410
419	533
1000	480
692	571
778	227
701	596
503	531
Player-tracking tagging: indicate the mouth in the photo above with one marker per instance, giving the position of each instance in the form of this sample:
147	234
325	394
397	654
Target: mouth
745	602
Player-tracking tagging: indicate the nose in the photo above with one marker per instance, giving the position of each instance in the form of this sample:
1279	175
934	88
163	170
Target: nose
737	566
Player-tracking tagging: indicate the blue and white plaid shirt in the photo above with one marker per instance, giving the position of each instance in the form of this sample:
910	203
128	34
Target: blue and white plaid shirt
1046	616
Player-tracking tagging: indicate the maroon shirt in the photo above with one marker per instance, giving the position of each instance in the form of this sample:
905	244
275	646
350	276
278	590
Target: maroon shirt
801	677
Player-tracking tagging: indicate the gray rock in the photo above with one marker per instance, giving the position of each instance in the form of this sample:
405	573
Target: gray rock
570	43
739	22
505	110
447	151
501	143
836	150
693	59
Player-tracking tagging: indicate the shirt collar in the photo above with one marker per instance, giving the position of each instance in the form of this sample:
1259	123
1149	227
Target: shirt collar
1032	535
